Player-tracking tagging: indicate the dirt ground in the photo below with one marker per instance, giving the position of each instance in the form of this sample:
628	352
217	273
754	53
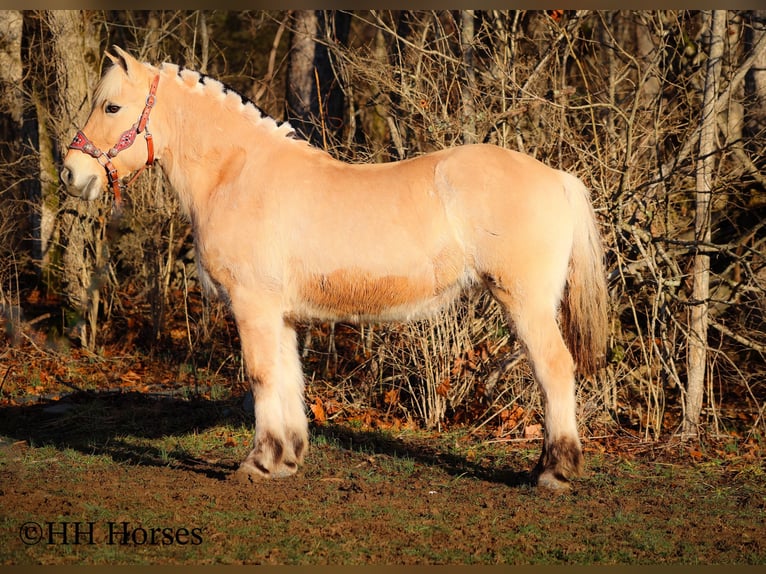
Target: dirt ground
133	479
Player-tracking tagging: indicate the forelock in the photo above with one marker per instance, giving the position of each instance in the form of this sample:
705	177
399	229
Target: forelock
109	86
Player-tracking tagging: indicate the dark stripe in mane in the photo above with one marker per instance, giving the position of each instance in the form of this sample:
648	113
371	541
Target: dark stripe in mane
245	100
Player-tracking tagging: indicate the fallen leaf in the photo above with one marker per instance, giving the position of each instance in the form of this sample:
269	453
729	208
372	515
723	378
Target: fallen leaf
533	431
391	397
695	453
317	408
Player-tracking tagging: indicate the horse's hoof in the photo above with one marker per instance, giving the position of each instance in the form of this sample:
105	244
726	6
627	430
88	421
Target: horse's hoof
249	473
550	482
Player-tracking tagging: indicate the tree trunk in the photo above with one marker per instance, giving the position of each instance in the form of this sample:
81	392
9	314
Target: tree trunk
301	93
380	127
76	58
11	73
314	99
11	97
469	85
755	81
755	110
37	168
651	87
12	172
698	323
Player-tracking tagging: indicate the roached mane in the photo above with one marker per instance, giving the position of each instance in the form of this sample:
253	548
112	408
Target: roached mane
110	85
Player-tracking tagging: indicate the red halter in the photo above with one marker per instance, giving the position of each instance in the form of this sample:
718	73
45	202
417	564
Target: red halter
83	144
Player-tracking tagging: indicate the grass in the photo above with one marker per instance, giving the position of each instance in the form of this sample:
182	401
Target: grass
363	496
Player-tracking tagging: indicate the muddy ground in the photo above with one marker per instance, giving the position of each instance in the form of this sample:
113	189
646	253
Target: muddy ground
136	479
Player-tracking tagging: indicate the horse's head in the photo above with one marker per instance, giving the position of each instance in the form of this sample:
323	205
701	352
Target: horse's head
103	150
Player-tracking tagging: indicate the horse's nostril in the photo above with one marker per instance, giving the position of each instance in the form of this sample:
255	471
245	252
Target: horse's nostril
65	175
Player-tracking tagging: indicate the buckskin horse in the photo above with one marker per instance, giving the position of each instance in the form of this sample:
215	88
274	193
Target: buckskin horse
286	232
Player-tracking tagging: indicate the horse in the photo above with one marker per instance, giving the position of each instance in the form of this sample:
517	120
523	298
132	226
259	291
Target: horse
285	233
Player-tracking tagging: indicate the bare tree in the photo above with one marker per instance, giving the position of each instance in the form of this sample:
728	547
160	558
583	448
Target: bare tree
11	71
469	85
77	56
314	100
755	83
11	131
698	321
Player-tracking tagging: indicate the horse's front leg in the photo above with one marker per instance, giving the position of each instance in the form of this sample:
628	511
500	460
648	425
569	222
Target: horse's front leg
271	360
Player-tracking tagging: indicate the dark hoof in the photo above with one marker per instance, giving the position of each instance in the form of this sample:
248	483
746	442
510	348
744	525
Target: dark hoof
247	474
265	462
559	463
549	481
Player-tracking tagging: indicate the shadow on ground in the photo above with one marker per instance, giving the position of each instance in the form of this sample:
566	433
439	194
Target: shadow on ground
97	423
419	450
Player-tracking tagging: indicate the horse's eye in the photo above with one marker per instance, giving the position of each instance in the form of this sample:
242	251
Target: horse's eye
112	108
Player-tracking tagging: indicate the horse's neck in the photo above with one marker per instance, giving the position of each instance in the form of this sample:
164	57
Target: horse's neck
210	138
200	146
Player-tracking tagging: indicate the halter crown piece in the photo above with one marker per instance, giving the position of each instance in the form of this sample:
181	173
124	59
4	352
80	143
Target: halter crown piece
128	137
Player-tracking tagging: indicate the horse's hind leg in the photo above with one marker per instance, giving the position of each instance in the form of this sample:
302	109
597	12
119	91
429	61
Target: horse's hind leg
271	361
536	326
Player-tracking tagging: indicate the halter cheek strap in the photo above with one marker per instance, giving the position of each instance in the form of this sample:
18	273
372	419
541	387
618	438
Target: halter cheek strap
128	137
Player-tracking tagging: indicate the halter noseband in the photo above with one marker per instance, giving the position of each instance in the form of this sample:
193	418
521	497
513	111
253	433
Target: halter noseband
128	137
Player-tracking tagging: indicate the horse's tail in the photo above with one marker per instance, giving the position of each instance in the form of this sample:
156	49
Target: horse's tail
584	308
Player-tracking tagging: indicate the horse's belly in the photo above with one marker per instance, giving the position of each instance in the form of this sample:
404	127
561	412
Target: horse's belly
358	295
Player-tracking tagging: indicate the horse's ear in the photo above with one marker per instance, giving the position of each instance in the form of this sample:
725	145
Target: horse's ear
123	59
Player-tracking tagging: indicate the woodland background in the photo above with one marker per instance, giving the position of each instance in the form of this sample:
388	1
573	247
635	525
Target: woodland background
661	113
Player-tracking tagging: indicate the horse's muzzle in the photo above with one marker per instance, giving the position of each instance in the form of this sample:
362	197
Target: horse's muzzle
88	189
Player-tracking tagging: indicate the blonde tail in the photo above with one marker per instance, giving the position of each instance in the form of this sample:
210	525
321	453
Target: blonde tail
584	308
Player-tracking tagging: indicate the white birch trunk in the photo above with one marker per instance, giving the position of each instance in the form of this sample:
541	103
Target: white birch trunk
698	320
469	87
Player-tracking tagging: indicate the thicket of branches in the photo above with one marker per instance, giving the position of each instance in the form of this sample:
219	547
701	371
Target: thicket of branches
614	97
